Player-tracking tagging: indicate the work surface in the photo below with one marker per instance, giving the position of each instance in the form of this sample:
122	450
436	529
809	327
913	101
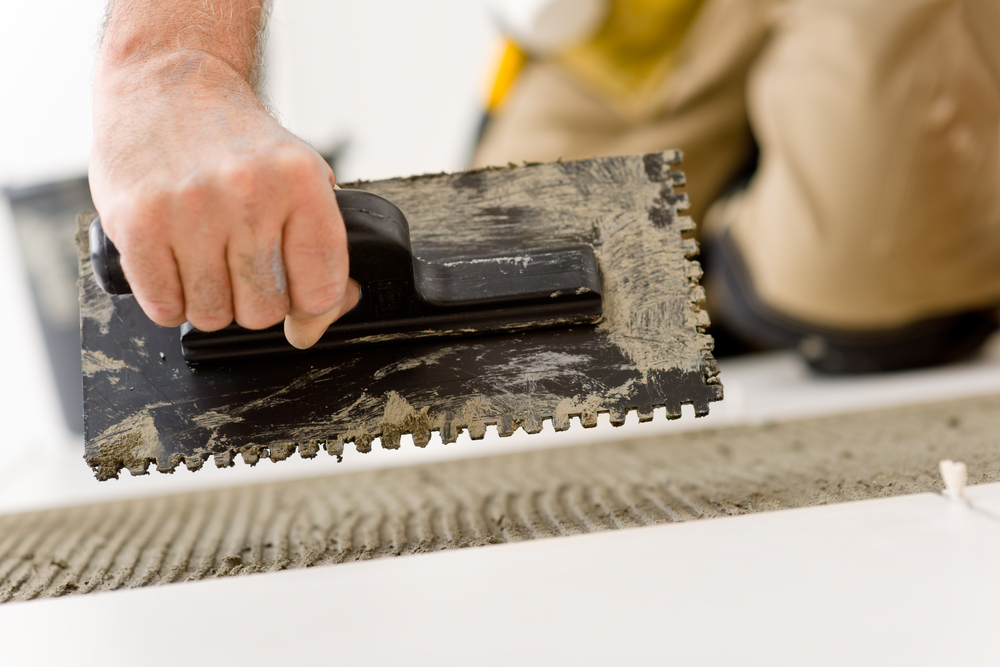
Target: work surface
907	580
526	495
895	581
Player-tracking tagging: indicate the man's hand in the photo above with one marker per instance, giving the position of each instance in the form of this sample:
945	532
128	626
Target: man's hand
219	213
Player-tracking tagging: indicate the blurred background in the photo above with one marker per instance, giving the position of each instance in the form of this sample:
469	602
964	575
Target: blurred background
401	81
393	88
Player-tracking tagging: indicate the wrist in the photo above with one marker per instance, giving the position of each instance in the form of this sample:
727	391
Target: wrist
176	71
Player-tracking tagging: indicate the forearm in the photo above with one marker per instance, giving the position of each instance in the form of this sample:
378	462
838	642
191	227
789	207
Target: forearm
151	31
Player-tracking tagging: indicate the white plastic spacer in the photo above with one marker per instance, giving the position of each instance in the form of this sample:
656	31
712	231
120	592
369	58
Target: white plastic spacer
955	475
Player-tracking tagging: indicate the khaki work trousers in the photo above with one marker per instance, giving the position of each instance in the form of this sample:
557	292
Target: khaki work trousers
876	200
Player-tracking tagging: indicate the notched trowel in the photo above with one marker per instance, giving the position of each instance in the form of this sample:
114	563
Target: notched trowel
495	297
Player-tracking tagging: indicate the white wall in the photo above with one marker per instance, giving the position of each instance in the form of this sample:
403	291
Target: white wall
46	63
400	79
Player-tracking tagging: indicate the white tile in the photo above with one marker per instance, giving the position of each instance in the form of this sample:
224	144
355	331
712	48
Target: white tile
985	500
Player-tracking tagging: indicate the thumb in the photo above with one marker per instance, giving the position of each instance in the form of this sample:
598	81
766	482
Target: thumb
303	332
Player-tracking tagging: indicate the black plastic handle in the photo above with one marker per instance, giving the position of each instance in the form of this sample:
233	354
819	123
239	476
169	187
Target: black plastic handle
406	298
106	261
378	242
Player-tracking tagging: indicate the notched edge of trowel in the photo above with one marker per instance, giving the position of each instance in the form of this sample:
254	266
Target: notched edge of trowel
399	418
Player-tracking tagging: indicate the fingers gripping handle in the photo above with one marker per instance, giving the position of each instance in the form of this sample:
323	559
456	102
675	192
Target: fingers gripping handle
404	297
378	239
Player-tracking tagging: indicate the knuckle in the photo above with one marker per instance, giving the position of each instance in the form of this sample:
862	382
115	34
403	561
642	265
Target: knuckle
261	315
156	290
238	180
193	193
299	162
132	223
240	175
321	298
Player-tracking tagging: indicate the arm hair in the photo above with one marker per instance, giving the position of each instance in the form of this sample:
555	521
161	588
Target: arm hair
232	30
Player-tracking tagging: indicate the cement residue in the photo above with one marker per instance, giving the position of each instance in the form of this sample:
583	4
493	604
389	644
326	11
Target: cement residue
509	409
400	418
279	395
416	362
95	303
95	361
520	260
650	283
507	412
133	444
528	370
650	300
212	420
515	497
586	409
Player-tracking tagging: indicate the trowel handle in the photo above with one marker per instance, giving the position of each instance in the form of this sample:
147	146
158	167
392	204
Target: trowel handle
106	261
378	239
